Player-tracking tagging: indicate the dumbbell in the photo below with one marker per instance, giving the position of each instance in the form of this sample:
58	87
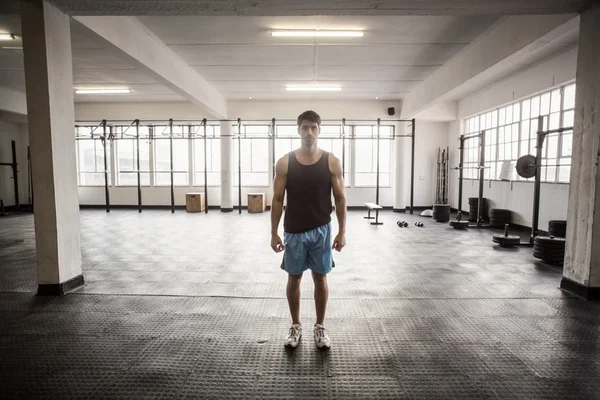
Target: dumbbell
402	224
419	224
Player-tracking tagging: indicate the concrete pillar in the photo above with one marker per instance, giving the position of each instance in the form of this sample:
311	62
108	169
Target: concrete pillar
226	167
51	116
401	174
582	258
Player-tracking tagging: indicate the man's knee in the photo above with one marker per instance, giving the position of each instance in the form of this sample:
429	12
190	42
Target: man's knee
294	280
319	279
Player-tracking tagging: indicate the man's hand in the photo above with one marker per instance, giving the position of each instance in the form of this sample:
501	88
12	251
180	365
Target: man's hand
340	242
276	243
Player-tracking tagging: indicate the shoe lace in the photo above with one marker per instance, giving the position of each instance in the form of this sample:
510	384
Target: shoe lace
320	331
294	331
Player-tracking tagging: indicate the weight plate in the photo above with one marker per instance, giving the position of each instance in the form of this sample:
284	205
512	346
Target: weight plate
548	256
548	240
459	224
555	245
526	166
510	240
557	222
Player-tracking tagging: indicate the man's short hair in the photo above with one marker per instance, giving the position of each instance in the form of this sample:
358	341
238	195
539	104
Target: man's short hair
310	116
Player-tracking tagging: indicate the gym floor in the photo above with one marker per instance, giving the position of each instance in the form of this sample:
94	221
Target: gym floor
193	306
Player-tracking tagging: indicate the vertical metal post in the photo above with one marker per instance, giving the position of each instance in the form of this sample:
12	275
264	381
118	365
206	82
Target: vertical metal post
273	127
541	135
378	136
105	144
205	169
460	171
240	164
412	168
481	176
15	172
171	162
139	178
343	147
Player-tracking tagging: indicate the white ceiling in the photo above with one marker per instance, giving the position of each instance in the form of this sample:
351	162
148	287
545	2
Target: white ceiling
311	7
239	58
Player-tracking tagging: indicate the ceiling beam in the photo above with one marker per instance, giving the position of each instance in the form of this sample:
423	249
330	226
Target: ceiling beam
508	46
134	42
13	101
320	7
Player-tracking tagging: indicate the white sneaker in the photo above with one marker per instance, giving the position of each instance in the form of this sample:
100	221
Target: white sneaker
293	337
321	337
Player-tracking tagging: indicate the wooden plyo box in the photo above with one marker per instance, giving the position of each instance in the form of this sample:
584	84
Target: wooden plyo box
194	202
257	202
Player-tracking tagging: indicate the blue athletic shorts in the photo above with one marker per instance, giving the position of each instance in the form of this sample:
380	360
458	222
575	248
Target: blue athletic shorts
308	250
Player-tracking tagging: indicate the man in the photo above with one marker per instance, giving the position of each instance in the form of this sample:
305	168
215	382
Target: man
308	175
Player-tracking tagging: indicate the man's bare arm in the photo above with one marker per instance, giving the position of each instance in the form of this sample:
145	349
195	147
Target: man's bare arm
277	203
337	183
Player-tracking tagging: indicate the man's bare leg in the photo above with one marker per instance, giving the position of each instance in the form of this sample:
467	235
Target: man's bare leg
321	296
293	296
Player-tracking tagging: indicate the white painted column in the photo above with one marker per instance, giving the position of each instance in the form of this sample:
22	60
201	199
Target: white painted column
49	80
582	258
400	173
226	167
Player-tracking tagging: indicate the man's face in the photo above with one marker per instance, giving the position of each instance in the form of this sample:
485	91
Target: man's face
309	131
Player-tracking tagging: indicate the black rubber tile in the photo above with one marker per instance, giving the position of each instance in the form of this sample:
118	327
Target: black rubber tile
372	387
219	386
65	352
234	357
304	360
23	302
65	323
423	358
291	387
444	387
171	354
538	388
138	325
358	359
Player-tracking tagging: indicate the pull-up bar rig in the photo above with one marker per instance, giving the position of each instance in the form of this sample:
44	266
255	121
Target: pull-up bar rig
480	168
15	170
109	135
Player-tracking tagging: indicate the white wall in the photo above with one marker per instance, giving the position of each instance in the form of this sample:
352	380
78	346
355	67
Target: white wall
556	70
517	196
17	132
429	136
266	110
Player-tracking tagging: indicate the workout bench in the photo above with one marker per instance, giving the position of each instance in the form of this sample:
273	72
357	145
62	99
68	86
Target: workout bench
376	207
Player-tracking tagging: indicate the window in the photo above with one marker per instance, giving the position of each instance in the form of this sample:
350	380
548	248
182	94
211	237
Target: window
287	140
213	155
365	173
162	155
511	132
90	157
330	140
126	151
471	150
255	158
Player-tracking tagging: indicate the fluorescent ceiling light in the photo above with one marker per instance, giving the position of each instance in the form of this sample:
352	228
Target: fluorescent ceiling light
7	36
102	91
317	33
313	88
12	47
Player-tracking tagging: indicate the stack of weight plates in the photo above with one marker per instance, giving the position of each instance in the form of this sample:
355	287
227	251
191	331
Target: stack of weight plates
473	206
441	212
557	228
549	249
499	217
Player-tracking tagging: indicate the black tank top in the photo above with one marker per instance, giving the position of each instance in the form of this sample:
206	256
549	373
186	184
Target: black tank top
308	195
